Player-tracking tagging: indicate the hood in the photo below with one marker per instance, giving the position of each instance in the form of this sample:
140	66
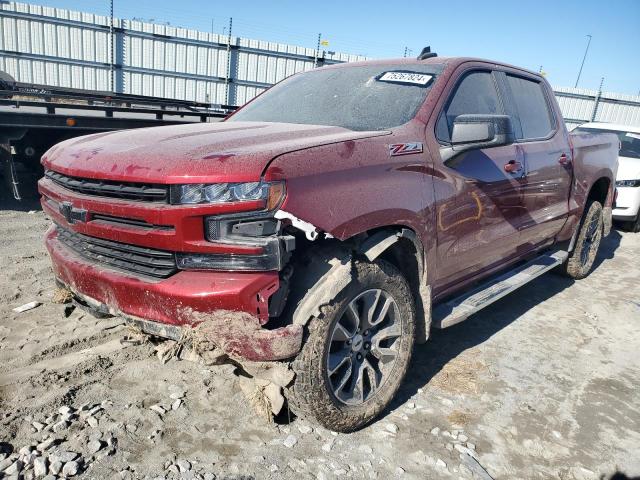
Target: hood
204	152
628	168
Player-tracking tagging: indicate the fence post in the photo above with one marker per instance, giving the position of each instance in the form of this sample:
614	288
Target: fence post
594	114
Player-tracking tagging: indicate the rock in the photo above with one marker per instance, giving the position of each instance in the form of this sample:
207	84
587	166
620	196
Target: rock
399	471
14	469
411	405
209	476
92	421
435	431
305	429
60	426
158	409
70	469
176	405
65	409
25	450
94	410
273	468
441	463
258	459
64	456
339	472
68	417
50	477
40	466
327	447
55	467
131	427
29	458
94	446
183	465
471	446
290	441
38	426
462	437
449	446
391	427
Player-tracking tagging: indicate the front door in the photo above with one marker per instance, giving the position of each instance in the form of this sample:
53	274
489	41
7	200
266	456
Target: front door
479	209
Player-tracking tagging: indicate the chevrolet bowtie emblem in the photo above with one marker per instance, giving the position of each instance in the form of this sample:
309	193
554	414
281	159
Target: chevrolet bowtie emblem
72	215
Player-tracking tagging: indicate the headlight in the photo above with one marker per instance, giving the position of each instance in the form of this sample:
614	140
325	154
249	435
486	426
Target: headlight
202	193
628	183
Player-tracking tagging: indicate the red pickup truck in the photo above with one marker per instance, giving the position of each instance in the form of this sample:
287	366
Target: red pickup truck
346	212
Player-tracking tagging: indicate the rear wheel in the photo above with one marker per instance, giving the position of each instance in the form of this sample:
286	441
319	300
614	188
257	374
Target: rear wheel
584	253
357	351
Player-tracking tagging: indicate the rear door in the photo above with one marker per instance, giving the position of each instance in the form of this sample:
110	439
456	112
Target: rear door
479	204
547	158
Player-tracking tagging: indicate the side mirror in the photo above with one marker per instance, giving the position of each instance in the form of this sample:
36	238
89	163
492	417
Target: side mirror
471	132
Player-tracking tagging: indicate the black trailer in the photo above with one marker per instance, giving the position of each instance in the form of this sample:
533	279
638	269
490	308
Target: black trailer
35	117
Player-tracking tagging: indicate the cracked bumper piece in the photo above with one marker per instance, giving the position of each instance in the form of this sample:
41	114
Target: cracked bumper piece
166	306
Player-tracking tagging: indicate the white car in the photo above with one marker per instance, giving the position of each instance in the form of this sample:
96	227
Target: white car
627	206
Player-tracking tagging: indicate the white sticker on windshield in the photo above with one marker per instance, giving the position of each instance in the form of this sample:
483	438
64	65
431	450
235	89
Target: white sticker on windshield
406	77
633	135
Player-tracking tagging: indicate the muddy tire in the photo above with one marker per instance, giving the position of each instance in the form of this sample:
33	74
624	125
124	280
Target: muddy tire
357	351
581	260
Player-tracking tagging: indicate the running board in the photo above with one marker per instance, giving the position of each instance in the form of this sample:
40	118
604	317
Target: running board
460	308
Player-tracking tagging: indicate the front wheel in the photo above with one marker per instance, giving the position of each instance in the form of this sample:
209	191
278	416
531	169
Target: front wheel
357	351
585	250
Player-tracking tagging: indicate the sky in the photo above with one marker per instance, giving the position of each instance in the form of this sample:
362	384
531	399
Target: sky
550	34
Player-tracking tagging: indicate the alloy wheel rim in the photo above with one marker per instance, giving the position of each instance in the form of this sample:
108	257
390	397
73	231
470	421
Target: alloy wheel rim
364	347
591	241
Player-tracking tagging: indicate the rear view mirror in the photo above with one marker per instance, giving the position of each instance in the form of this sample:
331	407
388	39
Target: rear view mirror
471	132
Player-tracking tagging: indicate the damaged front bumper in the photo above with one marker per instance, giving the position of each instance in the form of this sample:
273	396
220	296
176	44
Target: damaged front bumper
165	307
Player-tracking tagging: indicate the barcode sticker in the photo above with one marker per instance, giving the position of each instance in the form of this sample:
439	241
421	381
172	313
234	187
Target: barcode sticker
412	78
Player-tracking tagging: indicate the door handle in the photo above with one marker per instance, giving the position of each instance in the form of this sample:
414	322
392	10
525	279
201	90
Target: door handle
513	166
564	159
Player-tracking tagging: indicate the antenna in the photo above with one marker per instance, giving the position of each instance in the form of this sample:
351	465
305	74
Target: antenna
426	53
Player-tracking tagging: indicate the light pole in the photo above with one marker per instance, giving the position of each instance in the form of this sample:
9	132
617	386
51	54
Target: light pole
583	59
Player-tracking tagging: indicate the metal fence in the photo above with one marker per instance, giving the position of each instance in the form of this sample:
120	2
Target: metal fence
579	105
66	48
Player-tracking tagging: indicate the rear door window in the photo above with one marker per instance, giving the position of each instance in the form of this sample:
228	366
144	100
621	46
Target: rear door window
531	107
475	94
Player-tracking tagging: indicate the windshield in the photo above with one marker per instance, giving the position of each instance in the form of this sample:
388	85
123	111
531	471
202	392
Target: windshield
358	98
629	142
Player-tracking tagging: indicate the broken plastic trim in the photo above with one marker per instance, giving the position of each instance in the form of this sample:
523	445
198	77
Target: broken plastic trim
310	230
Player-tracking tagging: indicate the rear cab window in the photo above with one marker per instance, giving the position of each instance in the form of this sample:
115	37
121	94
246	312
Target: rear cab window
531	108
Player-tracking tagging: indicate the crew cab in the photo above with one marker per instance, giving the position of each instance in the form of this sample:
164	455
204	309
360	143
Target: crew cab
347	211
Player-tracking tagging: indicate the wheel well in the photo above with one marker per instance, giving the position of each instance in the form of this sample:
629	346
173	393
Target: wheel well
599	191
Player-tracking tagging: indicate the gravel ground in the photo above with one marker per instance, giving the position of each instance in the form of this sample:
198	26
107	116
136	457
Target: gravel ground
544	384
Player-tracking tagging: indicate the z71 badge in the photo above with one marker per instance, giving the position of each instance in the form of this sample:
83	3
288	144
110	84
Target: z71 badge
405	148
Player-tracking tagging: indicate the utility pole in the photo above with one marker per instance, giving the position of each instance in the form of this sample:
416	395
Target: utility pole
227	79
583	59
111	52
405	51
315	58
598	98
